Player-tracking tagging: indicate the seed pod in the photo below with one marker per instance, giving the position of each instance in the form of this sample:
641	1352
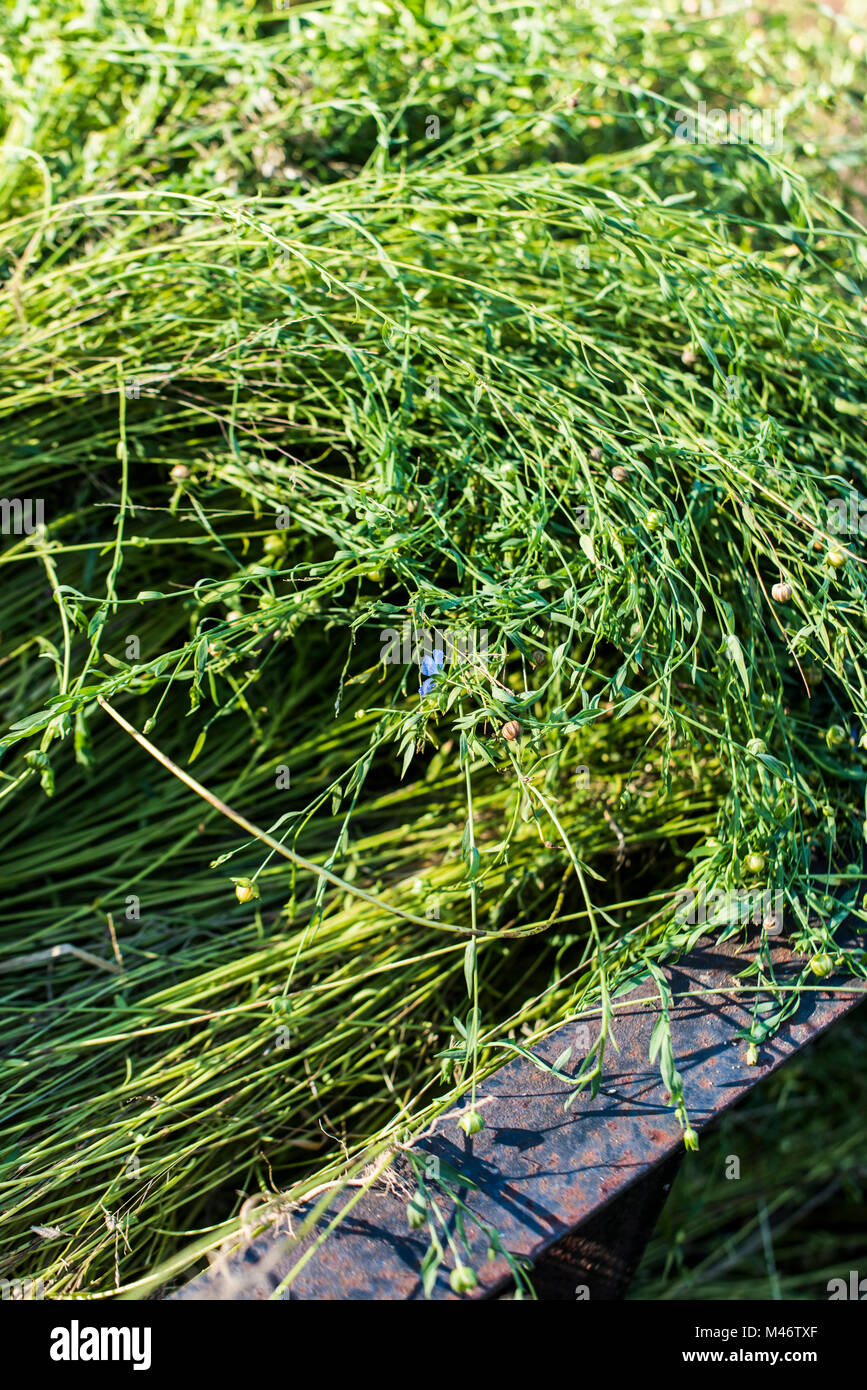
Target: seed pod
836	557
463	1279
596	453
688	356
511	730
757	746
752	1056
653	520
471	1123
619	473
245	890
836	736
822	965
179	473
781	593
755	863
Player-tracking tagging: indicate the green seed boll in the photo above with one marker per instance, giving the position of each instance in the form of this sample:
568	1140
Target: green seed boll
757	746
653	520
463	1279
835	736
836	557
690	1139
245	890
822	965
755	863
752	1055
472	1122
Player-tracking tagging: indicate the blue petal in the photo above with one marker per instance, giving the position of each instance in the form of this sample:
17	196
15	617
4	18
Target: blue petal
431	664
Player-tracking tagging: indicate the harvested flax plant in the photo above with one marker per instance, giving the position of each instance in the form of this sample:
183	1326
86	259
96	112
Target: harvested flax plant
449	574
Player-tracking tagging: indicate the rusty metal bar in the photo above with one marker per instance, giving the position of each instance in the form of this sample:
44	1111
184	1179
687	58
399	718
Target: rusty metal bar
574	1192
604	1252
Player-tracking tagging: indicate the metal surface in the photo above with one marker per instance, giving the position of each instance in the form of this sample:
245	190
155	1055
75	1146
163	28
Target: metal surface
567	1190
603	1254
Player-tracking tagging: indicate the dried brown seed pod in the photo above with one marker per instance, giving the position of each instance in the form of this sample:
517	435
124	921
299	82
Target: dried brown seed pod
619	473
688	356
179	472
596	453
781	593
511	730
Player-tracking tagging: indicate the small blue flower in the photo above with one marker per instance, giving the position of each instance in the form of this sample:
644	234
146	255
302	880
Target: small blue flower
430	665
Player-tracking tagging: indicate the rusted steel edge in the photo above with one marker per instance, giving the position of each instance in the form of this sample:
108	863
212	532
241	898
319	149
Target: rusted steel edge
540	1170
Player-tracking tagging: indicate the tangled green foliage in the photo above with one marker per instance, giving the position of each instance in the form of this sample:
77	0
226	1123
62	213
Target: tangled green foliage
319	322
